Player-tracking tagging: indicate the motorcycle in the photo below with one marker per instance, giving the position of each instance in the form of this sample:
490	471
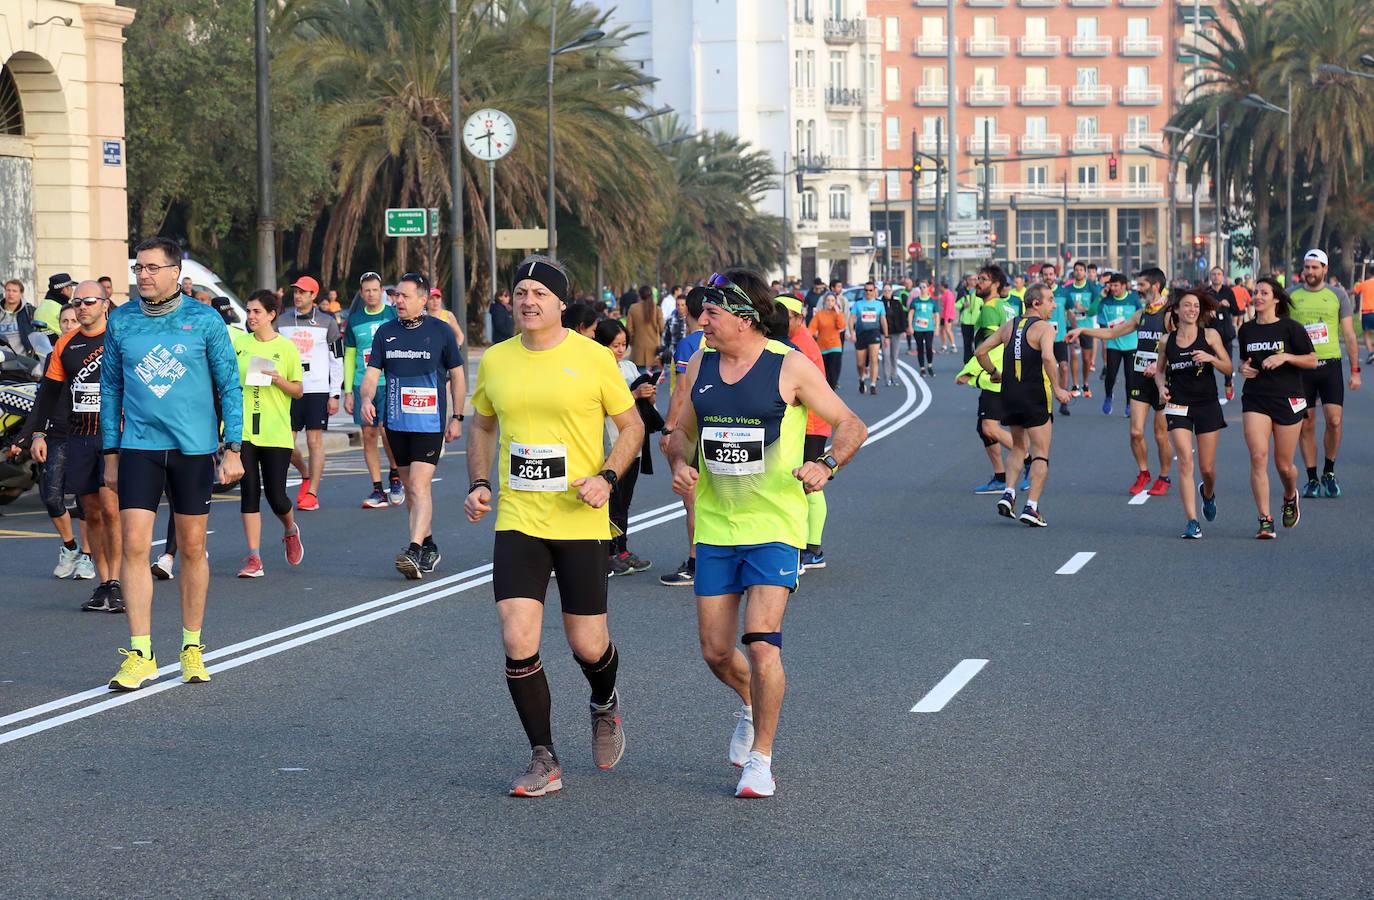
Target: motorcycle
18	391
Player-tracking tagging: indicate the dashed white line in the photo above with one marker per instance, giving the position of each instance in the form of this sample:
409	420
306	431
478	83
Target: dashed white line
1138	499
950	685
1076	562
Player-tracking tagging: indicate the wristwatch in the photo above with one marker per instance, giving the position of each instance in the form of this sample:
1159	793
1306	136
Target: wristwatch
234	447
829	460
610	476
460	417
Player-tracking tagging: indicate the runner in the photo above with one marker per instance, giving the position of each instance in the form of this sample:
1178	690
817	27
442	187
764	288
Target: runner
611	334
1147	323
995	438
417	354
1228	307
68	406
949	314
923	320
970	306
818	432
1188	387
271	377
1274	351
1118	305
1049	277
1329	321
686	574
555	483
362	324
1365	291
167	360
749	404
316	336
868	324
1027	397
434	306
991	286
1079	298
895	311
827	327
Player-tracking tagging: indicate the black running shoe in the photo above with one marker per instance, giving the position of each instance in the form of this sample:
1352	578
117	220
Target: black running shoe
685	576
408	564
429	558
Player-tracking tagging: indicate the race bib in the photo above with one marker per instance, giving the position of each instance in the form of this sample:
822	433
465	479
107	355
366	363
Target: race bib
367	354
733	451
868	317
1115	322
538	467
1143	358
85	397
419	400
1175	409
1317	333
923	324
1298	403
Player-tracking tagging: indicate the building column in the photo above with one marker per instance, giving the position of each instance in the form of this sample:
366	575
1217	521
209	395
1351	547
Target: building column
108	203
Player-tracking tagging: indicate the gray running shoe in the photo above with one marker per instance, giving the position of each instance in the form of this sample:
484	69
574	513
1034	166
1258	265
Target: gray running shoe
408	564
608	738
429	558
542	776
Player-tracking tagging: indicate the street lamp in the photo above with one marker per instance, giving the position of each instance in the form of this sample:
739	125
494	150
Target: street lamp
1333	69
1367	59
458	301
1216	175
590	37
1255	101
661	111
1172	160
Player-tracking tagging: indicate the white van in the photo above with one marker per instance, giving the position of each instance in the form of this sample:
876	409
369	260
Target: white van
205	280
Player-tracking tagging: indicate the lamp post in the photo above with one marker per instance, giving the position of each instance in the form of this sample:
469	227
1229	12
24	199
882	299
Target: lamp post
1333	69
1255	101
458	300
267	226
1172	160
1216	175
589	37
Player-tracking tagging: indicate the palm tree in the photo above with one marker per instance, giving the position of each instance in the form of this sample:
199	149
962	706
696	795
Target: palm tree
380	69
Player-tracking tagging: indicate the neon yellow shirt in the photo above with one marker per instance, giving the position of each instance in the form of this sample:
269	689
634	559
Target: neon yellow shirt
267	408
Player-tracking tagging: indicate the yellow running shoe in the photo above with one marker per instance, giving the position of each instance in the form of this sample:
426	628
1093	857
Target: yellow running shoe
193	669
135	672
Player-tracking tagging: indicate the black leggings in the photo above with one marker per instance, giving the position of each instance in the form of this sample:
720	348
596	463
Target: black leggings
1126	359
925	348
832	367
968	333
621	496
264	469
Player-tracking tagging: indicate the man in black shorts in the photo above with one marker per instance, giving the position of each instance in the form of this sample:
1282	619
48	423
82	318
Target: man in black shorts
1027	352
549	393
423	366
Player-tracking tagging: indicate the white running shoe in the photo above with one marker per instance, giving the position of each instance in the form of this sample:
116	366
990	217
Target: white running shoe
66	562
756	782
743	738
162	568
85	568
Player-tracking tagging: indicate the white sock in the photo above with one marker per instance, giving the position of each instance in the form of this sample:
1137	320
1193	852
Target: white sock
757	757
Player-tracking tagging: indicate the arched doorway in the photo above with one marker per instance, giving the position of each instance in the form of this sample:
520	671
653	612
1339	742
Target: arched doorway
16	188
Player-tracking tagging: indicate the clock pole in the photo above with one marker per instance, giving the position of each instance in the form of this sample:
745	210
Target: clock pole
457	295
491	222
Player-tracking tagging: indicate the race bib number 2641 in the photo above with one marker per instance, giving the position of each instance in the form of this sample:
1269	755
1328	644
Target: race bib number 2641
538	467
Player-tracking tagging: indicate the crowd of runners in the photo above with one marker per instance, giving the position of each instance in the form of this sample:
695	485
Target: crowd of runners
158	397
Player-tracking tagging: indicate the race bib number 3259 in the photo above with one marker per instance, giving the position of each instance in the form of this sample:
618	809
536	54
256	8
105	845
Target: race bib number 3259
538	467
733	451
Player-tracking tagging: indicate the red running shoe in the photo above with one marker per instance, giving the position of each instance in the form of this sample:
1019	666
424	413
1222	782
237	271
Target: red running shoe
1142	481
295	552
1160	487
308	502
302	490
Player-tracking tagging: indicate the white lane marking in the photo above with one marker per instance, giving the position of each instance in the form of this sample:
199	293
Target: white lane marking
1076	562
638	522
943	692
164	540
1138	499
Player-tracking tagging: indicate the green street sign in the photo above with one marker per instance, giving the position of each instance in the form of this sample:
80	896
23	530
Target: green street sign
405	223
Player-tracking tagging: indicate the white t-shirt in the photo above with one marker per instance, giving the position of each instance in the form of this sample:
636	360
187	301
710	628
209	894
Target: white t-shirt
629	372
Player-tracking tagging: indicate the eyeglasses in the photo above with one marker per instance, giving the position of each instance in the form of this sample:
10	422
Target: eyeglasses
140	268
88	301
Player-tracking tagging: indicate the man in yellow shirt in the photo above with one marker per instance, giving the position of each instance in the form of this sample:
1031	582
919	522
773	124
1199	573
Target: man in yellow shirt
549	393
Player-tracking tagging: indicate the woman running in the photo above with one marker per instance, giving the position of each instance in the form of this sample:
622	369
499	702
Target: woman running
827	327
923	321
613	335
1274	349
271	374
1191	353
435	307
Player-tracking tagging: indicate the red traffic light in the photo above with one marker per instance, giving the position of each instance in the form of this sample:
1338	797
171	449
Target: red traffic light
1199	240
1111	168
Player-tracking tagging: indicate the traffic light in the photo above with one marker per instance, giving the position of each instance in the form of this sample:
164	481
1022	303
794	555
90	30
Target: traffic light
800	185
916	169
992	238
1199	244
944	242
1111	168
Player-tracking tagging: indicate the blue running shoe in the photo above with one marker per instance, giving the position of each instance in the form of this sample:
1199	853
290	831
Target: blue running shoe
811	560
1193	531
1331	485
1024	484
1312	489
1107	406
1209	504
992	487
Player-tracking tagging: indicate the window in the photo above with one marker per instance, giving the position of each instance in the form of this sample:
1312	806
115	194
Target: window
800	143
870	141
839	138
1087	175
892	35
1037	77
894	133
1037	234
871	72
984	76
894	184
1135	238
981	122
1038	177
811	140
894	83
839	203
799	68
1137	28
1087	126
837	9
932	27
933	77
1137	76
984	27
979	173
1036	30
1137	174
1087	76
1037	126
1087	234
838	71
806	205
1087	27
1137	125
805	11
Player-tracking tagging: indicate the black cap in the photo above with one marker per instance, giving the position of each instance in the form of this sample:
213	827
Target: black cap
59	281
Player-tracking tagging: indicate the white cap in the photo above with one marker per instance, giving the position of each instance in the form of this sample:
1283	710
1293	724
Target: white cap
1318	255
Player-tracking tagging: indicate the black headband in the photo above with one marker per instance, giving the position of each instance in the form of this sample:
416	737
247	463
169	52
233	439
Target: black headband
550	276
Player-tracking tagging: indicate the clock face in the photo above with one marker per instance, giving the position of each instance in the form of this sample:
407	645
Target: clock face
489	134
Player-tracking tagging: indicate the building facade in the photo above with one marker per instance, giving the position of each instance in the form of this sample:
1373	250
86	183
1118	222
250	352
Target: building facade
63	206
1060	110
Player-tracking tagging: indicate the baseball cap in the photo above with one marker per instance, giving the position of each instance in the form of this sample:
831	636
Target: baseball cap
435	292
789	302
306	283
1318	255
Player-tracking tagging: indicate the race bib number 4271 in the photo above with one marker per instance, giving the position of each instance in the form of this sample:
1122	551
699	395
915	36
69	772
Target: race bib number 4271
538	467
419	399
733	451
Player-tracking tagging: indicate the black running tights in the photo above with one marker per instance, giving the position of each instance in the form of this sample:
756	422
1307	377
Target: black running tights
621	496
1125	359
925	348
832	368
264	470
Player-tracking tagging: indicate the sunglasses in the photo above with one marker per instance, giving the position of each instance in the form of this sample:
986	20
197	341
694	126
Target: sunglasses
88	301
369	276
729	296
417	278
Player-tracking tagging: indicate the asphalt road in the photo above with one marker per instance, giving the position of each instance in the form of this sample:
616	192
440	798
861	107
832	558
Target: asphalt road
1186	719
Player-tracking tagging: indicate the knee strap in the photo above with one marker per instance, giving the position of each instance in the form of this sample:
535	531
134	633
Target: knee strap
1043	459
769	637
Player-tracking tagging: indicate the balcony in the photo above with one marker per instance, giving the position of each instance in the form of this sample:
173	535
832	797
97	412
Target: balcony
1141	139
1044	95
932	95
996	144
994	45
987	2
1087	2
1039	4
1143	190
1090	143
930	45
940	3
812	163
1090	46
1041	143
1150	45
1034	194
1090	95
1145	95
843	98
1140	3
844	31
1038	46
926	143
989	95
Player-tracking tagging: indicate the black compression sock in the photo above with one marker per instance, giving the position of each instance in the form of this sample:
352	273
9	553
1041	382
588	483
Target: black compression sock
376	486
70	545
415	547
392	473
814	548
999	477
691	564
1329	468
429	541
1311	473
601	674
529	689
